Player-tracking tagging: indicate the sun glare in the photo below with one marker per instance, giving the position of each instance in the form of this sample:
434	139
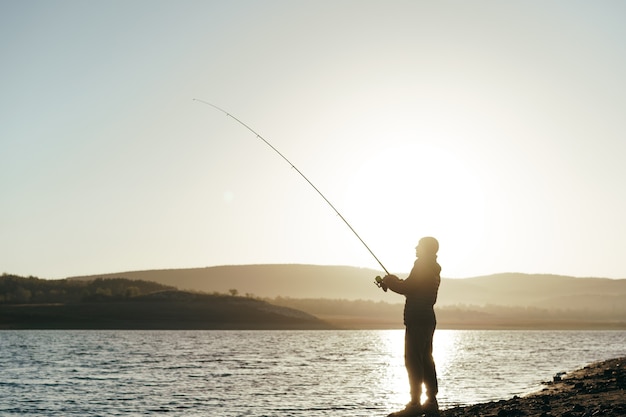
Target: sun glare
418	190
395	379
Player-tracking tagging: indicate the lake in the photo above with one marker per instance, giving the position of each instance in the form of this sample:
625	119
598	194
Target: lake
273	373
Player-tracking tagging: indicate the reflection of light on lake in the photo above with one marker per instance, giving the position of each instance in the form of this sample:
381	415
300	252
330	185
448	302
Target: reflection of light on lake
445	354
396	379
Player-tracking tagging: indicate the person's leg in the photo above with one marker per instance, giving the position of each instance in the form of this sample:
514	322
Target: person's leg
429	372
413	369
413	362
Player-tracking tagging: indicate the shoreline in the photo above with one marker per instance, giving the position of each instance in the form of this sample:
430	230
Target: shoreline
598	389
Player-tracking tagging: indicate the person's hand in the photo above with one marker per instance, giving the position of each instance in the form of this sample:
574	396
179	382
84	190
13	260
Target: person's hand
389	278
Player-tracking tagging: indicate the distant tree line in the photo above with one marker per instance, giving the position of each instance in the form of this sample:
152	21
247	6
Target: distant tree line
459	316
31	290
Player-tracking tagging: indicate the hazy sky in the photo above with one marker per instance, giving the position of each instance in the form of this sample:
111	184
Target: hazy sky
497	127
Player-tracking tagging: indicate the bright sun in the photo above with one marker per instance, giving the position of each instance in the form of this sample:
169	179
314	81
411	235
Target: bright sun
416	190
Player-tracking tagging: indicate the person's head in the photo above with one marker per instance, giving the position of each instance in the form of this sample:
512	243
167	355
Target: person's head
427	247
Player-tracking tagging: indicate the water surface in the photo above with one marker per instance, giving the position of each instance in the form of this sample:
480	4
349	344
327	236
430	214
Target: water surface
273	373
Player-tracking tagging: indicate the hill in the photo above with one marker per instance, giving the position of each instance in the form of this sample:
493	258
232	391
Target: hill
350	283
538	290
346	297
32	303
19	290
297	281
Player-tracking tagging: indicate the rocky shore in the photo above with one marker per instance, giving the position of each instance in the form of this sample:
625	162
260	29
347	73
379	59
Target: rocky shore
596	390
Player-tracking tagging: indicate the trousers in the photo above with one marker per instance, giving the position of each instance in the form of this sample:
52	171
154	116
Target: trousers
419	362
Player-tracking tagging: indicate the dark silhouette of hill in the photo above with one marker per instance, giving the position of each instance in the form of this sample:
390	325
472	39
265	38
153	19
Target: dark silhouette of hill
15	289
350	283
32	303
164	311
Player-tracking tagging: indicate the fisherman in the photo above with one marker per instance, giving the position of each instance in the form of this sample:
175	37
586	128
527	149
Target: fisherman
420	289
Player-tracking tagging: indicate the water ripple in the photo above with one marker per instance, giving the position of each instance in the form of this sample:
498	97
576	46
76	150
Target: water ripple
271	373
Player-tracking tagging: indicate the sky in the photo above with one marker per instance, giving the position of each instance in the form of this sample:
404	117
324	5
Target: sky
496	127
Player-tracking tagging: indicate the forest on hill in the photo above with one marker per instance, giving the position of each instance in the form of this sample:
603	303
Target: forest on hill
365	314
33	303
21	290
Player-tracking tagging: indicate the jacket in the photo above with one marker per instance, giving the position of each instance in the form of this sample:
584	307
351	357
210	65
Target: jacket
420	289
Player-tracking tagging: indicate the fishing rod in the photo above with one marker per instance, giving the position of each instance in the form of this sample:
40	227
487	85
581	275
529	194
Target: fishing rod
378	279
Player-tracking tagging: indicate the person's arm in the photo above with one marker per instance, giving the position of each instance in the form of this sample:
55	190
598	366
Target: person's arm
411	284
395	284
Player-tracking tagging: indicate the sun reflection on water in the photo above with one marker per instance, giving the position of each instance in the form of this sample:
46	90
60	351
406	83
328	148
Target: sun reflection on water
444	354
395	380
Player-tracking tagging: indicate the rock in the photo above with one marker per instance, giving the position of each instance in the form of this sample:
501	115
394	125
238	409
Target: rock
597	390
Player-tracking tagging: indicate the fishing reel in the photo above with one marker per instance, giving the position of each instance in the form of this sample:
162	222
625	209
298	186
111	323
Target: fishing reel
379	283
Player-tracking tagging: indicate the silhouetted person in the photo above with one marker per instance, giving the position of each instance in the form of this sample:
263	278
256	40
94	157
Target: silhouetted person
420	289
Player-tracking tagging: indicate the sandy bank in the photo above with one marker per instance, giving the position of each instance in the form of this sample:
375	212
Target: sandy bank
596	390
